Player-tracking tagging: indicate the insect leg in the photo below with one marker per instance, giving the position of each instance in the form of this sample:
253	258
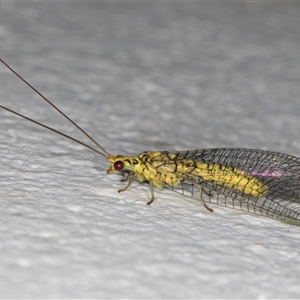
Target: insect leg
127	177
130	177
201	191
152	193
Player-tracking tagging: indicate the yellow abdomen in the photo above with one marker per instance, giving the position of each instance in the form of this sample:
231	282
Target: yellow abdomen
231	177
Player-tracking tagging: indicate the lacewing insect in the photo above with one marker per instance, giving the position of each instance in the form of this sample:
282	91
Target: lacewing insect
257	181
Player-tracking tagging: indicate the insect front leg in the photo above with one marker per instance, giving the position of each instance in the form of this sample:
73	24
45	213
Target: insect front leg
129	177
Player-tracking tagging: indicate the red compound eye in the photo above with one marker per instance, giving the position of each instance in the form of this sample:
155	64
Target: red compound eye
118	165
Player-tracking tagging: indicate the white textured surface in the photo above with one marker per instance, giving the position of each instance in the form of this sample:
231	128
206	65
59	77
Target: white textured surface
142	77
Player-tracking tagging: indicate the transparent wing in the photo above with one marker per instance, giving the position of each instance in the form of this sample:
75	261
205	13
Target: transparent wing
279	172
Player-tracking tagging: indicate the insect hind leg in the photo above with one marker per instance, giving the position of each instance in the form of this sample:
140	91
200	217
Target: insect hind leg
201	191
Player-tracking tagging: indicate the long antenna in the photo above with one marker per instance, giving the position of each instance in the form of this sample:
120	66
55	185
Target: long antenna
105	154
54	130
